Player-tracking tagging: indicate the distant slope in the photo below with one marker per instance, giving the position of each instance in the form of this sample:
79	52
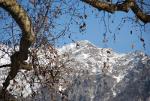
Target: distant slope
96	74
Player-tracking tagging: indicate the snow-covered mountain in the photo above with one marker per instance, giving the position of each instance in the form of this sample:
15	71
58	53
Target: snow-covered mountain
104	75
96	74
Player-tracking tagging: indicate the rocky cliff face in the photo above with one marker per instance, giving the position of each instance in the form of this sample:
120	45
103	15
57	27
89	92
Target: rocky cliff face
107	76
100	74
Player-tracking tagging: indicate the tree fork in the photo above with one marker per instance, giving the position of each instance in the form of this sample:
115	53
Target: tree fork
22	19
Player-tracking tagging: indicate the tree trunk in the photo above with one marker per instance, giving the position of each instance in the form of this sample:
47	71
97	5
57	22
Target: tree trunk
27	39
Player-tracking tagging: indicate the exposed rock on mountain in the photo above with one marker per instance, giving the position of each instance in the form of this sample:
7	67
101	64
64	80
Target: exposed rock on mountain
96	74
104	75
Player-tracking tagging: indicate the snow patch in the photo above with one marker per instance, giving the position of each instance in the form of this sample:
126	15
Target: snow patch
118	78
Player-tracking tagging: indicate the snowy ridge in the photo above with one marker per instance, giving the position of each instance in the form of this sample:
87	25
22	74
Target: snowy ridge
90	61
86	52
96	73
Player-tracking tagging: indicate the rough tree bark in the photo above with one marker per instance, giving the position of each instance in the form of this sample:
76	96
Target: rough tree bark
125	7
22	19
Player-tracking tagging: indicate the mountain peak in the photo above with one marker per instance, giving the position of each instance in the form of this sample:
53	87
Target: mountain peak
94	73
74	46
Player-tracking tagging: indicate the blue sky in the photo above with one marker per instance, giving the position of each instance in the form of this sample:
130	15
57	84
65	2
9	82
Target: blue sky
124	39
95	29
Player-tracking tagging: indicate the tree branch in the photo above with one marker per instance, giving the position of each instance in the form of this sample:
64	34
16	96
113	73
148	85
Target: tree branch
125	7
22	19
6	65
140	14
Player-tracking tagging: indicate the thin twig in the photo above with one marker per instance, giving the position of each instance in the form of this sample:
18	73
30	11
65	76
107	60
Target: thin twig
6	65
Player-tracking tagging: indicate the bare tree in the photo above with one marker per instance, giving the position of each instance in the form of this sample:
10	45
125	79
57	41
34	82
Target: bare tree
37	21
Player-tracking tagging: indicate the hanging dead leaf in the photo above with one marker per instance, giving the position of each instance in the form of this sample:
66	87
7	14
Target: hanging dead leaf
85	16
131	32
142	40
